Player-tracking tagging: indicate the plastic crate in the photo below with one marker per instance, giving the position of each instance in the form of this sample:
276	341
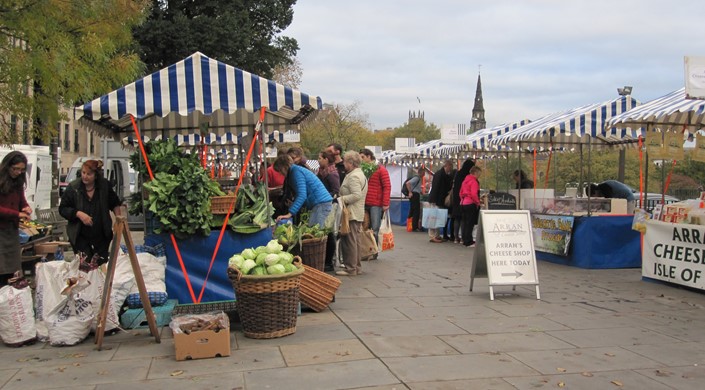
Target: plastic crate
136	318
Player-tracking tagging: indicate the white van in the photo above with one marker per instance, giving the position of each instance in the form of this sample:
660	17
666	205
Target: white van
38	192
116	170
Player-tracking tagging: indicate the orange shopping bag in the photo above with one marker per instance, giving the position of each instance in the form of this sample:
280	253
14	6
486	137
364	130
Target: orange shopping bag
386	234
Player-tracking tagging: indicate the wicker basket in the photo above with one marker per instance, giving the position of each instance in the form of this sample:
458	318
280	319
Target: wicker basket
267	304
313	252
317	289
221	204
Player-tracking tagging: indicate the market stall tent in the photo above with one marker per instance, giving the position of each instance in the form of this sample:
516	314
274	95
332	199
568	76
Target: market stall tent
197	90
669	112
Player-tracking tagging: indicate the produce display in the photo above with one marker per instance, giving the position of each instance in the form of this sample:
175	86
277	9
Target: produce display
190	323
263	260
289	234
252	212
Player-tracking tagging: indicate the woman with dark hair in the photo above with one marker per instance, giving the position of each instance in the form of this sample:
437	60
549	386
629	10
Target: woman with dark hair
328	173
13	208
457	210
86	204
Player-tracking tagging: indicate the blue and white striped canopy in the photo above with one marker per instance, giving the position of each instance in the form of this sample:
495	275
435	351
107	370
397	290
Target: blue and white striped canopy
479	140
582	125
670	112
197	90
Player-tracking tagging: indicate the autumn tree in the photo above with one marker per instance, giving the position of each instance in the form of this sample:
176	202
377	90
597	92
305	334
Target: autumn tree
57	52
343	124
244	33
418	129
289	74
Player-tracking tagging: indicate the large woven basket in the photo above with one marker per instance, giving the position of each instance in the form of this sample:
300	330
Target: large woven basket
267	304
313	252
221	204
317	289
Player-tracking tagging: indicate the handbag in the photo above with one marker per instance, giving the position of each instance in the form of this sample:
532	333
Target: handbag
344	228
368	246
448	201
385	233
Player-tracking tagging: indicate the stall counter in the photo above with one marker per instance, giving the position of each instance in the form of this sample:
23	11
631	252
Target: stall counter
601	242
196	251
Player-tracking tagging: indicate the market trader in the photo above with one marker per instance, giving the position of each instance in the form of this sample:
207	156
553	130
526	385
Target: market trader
614	189
13	209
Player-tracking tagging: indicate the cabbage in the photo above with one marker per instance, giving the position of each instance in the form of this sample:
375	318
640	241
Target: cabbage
259	270
276	269
249	254
236	261
285	258
247	265
271	259
289	267
274	247
261	257
261	249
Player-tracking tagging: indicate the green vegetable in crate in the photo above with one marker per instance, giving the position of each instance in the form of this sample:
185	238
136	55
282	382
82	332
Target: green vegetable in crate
259	270
276	269
271	259
274	247
259	261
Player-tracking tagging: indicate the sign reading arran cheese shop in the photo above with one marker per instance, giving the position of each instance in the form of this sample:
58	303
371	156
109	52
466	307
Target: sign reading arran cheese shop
674	253
504	241
552	233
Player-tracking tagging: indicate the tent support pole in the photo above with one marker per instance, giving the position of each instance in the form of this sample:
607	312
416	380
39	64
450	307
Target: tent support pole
589	174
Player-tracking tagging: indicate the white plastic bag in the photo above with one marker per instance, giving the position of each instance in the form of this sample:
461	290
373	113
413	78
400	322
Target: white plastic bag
16	316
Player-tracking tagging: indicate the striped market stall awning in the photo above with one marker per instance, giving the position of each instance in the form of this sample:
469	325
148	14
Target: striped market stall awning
195	93
582	125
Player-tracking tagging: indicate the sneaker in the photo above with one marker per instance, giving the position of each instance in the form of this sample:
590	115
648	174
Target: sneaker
345	273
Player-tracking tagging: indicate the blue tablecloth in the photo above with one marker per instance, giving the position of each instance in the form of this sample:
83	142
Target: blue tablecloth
601	242
196	251
399	211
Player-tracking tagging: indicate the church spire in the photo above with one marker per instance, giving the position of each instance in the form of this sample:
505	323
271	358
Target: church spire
478	111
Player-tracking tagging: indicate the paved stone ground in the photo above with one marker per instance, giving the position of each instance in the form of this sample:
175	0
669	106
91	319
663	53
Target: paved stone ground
410	323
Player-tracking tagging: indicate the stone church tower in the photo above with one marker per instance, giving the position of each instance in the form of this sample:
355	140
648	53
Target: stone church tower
478	111
414	116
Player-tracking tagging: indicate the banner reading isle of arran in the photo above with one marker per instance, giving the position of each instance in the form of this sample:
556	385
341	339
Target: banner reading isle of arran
552	233
674	253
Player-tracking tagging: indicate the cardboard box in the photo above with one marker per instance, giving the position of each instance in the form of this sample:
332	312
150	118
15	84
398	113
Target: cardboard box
202	344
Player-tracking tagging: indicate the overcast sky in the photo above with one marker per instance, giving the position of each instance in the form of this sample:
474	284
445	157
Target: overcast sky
536	57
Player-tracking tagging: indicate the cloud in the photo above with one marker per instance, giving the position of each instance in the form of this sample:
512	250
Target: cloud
537	57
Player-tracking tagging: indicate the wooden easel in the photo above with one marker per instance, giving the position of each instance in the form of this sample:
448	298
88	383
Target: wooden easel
121	228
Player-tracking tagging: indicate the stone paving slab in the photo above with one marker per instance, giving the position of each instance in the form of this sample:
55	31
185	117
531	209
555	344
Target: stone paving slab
588	381
584	359
387	314
508	324
504	342
445	368
449	312
615	336
221	381
399	346
324	352
674	354
240	360
404	328
681	378
343	375
486	384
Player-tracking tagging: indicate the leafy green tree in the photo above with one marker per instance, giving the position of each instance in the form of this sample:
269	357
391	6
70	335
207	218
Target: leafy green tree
57	52
242	33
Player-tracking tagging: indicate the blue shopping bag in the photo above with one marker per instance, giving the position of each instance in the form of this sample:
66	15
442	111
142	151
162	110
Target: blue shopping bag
434	218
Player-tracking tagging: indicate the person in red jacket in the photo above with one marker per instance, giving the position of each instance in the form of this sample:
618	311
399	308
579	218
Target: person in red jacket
13	209
470	204
378	192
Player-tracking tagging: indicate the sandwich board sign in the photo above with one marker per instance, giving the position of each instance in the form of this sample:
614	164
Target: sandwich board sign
505	243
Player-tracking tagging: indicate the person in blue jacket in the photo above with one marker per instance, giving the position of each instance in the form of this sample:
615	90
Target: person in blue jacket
309	191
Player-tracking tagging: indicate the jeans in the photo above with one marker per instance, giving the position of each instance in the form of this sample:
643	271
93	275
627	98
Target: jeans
415	210
375	220
319	213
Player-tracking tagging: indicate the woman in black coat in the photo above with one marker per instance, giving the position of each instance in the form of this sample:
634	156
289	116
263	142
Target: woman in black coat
456	210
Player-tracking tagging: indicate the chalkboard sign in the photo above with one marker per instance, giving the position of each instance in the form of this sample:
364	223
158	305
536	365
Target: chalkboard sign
501	201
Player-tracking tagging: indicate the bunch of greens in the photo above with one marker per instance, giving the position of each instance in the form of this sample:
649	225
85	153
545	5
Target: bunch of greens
290	235
252	212
368	168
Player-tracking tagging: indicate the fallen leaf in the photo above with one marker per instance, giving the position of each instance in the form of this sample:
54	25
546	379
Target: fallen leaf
561	384
177	373
505	360
587	374
559	369
663	373
609	354
103	372
77	364
617	383
61	369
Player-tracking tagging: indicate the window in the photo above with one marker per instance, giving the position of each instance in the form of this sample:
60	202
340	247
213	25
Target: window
13	124
75	140
25	132
92	143
67	142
